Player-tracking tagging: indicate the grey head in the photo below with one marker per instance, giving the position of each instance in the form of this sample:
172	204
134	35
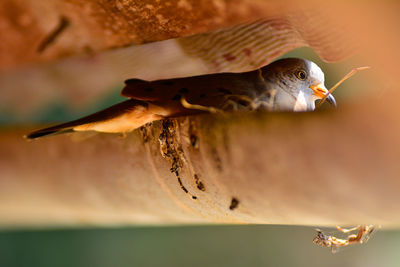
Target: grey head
296	83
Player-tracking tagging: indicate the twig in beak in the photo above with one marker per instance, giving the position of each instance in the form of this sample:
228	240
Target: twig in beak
348	75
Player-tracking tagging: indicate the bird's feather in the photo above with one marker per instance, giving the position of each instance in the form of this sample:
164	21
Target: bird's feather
108	114
207	90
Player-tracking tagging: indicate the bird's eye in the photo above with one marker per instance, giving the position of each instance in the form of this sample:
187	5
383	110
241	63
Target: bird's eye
301	75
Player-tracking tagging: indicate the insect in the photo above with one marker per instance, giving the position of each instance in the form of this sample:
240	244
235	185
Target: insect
364	232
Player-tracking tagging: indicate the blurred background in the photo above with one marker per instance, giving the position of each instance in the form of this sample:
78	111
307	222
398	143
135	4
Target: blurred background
252	245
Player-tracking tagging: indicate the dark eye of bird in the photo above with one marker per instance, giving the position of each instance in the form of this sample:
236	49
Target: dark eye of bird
301	75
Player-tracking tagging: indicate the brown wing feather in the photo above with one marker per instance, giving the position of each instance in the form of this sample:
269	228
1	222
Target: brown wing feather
159	90
139	89
209	90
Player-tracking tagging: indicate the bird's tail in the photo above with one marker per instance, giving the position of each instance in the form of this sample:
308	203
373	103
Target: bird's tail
103	115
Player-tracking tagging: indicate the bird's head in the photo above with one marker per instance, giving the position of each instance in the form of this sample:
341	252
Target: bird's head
298	83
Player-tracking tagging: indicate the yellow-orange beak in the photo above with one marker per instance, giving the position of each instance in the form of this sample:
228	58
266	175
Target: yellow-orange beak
320	91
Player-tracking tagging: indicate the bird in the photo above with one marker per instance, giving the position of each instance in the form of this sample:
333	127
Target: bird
285	85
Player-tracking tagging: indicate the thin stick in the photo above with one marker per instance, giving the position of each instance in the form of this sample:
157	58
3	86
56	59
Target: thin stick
348	75
198	107
347	230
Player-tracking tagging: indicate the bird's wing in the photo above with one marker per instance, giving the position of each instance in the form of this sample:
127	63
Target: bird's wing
207	89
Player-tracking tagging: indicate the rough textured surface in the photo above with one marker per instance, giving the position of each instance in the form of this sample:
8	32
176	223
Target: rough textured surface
210	169
51	29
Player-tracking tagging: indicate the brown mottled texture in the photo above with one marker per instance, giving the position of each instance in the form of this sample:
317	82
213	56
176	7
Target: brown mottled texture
98	25
152	20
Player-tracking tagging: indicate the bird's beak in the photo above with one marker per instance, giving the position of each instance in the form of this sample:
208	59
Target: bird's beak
320	91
